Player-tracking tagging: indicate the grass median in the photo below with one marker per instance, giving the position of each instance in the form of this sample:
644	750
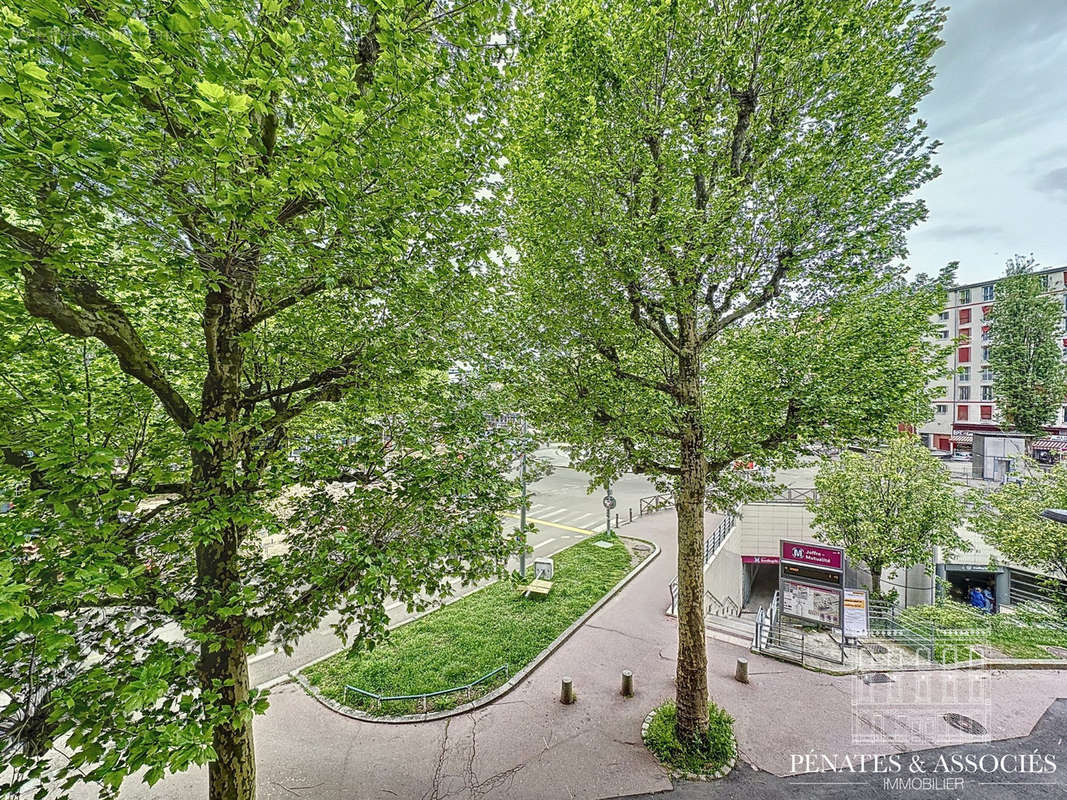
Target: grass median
463	641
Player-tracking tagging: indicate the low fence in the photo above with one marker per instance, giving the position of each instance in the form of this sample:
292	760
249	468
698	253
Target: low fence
424	698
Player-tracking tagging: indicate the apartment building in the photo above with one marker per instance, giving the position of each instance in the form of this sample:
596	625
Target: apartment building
965	402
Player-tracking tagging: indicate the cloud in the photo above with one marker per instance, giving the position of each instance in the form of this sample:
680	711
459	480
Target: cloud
949	231
1053	182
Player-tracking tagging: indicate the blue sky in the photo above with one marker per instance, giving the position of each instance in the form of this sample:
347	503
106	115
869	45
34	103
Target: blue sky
999	106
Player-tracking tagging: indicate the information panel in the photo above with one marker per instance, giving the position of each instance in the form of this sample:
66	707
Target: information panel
856	619
814	603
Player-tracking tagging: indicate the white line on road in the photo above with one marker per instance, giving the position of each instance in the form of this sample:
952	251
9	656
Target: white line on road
546	541
585	516
549	515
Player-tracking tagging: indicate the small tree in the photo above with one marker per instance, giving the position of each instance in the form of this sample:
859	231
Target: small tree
1029	377
888	509
1010	520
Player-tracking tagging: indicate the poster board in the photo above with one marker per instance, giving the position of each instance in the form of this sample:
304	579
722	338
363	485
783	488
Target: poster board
856	613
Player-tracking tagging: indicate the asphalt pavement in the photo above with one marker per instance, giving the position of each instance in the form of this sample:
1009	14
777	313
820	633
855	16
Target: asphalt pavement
1030	767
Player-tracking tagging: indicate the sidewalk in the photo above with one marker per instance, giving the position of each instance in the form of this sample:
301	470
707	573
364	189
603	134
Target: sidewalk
527	745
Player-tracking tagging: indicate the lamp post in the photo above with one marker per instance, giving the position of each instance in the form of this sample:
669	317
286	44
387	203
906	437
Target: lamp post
522	509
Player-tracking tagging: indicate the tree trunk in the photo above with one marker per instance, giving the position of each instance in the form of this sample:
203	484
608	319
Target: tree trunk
223	664
232	774
876	579
692	671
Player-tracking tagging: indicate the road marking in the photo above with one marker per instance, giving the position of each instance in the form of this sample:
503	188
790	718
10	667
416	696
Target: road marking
391	606
546	541
583	531
585	517
261	656
557	513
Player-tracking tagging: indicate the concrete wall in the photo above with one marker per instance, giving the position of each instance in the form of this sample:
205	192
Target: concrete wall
763	524
723	575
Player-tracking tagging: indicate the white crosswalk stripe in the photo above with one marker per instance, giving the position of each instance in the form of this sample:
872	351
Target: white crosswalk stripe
552	514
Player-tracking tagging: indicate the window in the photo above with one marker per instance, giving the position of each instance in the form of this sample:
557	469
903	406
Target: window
985	353
987	292
1065	414
986	412
987	392
965	393
986	334
965	316
965	295
965	334
961	412
987	374
1044	281
943	333
965	374
965	354
941	408
943	316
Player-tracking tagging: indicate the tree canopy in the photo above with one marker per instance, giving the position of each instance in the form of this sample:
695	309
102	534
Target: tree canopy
888	509
1029	376
1010	520
706	201
239	243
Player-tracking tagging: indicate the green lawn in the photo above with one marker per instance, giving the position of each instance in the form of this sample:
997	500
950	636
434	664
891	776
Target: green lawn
474	635
1015	636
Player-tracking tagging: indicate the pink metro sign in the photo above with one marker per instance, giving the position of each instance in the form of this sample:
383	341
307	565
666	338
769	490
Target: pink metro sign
813	555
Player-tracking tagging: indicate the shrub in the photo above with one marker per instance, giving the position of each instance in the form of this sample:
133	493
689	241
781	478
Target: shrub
708	754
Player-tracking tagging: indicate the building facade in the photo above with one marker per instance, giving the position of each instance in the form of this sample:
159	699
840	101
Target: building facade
965	402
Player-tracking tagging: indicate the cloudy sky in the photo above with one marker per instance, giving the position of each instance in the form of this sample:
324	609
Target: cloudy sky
999	106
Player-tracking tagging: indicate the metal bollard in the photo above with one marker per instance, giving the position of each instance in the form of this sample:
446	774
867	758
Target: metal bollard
566	692
741	671
627	684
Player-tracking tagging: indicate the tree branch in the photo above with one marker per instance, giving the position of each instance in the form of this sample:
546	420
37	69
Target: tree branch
771	289
304	291
611	355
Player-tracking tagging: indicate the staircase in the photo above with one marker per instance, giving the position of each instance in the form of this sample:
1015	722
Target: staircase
723	621
739	631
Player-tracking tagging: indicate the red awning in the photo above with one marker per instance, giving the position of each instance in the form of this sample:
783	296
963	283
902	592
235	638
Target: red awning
1051	443
962	437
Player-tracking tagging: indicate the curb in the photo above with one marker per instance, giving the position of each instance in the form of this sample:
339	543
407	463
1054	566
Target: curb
678	775
501	690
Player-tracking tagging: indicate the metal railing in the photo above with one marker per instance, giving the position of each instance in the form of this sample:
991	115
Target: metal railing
656	502
720	608
424	698
793	495
711	545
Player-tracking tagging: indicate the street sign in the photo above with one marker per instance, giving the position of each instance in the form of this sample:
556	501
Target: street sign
609	502
810	582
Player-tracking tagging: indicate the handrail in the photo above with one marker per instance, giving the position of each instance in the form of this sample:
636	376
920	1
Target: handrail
425	695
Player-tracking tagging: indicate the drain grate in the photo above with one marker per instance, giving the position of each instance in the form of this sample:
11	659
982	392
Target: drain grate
877	649
965	724
876	677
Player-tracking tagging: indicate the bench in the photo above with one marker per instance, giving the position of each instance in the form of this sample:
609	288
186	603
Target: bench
537	586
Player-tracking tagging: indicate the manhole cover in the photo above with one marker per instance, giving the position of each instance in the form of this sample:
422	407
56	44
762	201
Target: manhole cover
877	649
876	677
965	724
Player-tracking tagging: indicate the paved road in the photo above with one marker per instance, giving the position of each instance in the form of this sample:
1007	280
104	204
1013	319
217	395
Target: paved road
997	774
560	509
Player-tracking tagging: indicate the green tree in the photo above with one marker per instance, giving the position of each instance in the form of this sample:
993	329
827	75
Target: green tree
888	509
239	242
1010	520
1029	377
705	200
